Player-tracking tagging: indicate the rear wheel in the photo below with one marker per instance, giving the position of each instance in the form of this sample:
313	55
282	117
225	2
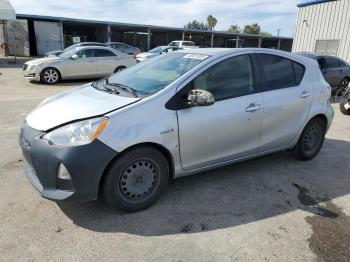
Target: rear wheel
311	139
50	76
136	179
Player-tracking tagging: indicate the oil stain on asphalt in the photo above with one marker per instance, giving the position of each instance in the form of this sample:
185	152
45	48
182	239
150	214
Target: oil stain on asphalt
330	239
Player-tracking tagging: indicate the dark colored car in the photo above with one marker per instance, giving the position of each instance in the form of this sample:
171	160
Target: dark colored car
58	52
131	50
335	71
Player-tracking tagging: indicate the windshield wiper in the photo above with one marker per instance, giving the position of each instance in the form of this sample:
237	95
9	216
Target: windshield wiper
123	87
101	87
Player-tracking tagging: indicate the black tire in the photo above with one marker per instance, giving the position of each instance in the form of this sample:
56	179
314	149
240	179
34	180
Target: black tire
50	76
119	68
311	140
342	103
136	179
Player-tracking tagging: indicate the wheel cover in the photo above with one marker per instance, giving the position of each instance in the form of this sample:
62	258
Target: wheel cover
312	139
139	180
51	76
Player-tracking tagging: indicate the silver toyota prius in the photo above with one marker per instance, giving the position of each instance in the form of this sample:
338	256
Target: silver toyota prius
125	136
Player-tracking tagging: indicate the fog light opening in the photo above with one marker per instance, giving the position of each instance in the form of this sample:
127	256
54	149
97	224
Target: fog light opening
63	173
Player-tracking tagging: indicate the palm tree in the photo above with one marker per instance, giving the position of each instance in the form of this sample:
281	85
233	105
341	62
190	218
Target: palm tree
212	21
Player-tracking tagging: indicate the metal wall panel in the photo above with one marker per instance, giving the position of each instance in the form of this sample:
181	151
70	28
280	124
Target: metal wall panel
48	36
323	21
18	37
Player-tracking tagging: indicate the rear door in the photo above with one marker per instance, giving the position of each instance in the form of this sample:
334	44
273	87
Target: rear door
106	62
228	129
286	98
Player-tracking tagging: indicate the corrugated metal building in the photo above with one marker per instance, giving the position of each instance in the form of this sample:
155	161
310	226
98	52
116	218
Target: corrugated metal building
40	34
323	27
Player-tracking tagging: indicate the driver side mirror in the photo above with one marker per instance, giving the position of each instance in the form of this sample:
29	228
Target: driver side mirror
74	57
200	97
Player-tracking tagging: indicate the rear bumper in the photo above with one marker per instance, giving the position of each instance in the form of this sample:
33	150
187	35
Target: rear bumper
85	165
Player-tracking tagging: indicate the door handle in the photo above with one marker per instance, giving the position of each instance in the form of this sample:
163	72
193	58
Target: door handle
90	61
305	94
253	108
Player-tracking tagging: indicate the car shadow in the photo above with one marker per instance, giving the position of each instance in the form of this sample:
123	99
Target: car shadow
226	197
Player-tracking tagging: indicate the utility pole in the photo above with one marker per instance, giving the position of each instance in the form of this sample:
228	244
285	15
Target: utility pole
278	31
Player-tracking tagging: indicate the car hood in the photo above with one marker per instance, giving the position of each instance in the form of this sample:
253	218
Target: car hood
44	60
55	52
145	54
79	103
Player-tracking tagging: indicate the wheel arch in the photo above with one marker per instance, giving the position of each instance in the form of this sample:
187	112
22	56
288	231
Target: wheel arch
53	67
156	146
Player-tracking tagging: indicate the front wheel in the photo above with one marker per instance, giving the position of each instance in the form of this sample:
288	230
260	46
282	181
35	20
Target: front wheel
50	76
310	140
136	179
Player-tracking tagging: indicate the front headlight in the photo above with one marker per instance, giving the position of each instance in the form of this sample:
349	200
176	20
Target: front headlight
78	133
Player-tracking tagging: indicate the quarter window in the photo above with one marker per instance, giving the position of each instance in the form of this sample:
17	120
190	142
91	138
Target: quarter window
232	77
299	71
277	71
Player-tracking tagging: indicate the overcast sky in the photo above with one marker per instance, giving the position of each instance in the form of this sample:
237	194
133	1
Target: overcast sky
270	14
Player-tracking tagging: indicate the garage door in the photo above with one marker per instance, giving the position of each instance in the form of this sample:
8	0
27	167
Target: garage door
48	36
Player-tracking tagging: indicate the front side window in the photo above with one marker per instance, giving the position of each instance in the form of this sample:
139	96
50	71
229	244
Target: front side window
87	53
232	77
277	71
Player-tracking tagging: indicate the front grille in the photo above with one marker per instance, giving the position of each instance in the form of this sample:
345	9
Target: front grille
25	66
24	143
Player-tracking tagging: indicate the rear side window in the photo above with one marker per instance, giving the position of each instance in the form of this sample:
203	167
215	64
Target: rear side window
299	71
103	53
277	71
331	62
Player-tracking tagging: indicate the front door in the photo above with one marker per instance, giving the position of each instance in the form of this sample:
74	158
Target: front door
230	127
84	66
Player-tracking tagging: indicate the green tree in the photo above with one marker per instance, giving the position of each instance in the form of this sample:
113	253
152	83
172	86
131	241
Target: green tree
253	29
211	22
196	25
234	29
264	33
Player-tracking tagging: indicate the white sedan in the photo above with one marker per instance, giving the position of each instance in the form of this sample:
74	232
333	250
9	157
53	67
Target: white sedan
79	63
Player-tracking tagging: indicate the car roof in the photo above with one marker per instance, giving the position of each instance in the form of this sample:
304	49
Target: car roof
99	47
91	43
218	52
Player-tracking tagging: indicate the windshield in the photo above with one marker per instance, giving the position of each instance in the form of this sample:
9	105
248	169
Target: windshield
68	54
156	50
154	74
71	47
